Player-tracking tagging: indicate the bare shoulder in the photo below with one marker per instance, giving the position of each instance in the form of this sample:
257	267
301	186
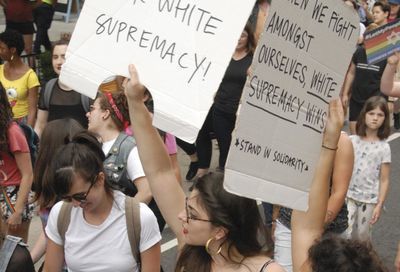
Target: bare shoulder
263	263
274	267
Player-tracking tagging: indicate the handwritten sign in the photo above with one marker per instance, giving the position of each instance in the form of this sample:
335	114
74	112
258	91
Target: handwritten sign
181	49
298	67
382	42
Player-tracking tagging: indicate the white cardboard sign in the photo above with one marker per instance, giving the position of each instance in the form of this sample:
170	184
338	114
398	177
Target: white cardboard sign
298	67
180	48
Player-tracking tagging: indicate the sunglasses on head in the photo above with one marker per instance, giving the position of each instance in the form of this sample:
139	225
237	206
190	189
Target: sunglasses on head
80	197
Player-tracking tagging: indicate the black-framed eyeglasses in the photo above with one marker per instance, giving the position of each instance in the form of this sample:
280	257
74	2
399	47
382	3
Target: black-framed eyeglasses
190	216
80	197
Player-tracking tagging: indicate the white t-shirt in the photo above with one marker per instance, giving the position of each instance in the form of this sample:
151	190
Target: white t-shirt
368	158
134	165
105	247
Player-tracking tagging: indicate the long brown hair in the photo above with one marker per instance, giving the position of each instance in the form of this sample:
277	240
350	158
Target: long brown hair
54	135
239	215
6	117
251	41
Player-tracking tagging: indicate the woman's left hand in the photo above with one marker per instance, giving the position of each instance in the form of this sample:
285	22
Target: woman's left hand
15	219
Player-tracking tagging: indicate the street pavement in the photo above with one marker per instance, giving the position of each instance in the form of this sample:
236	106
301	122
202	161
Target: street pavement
386	233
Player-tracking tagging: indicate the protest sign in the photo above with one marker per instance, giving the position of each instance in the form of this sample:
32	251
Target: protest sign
382	42
180	48
298	67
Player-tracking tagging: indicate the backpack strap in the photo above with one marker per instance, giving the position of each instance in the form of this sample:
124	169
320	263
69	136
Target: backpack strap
85	102
132	214
64	217
6	252
48	90
116	147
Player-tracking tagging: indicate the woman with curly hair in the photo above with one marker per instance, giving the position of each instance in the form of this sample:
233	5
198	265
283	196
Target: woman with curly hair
15	173
19	80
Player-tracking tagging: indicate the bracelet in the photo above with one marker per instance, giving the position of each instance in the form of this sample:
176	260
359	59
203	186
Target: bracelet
329	148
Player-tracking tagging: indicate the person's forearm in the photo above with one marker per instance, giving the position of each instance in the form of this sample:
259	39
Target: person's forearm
32	105
39	248
388	79
383	191
155	159
347	84
319	192
31	117
23	192
335	204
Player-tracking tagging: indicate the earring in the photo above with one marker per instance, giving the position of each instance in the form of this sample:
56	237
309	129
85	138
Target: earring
207	246
12	57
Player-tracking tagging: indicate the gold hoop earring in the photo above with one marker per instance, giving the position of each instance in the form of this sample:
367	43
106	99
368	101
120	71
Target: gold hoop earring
207	246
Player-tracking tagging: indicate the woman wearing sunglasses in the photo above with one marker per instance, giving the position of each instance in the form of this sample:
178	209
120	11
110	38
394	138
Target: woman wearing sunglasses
96	238
53	136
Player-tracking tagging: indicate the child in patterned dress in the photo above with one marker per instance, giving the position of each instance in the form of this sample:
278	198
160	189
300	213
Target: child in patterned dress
370	180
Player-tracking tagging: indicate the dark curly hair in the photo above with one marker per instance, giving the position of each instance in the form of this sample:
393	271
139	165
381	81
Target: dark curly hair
121	103
13	39
6	117
332	253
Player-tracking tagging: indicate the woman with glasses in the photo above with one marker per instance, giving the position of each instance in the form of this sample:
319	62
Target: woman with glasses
96	238
216	230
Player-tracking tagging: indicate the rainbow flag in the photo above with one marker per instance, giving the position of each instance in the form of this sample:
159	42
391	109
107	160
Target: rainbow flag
380	43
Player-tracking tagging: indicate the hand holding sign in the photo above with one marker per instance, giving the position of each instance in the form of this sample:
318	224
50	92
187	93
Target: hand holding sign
134	90
334	124
181	48
394	59
297	71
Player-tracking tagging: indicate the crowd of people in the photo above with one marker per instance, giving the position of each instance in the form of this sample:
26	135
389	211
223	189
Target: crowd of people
105	182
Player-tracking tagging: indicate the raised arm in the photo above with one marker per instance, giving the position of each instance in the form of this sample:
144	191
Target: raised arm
157	166
342	171
388	86
308	226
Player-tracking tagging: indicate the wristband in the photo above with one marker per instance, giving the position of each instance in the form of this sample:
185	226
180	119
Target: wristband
329	148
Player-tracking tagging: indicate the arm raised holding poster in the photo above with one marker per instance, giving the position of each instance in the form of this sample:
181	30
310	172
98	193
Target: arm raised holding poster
309	250
215	229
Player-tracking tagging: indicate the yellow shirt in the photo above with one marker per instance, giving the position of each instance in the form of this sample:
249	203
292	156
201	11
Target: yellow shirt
17	91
